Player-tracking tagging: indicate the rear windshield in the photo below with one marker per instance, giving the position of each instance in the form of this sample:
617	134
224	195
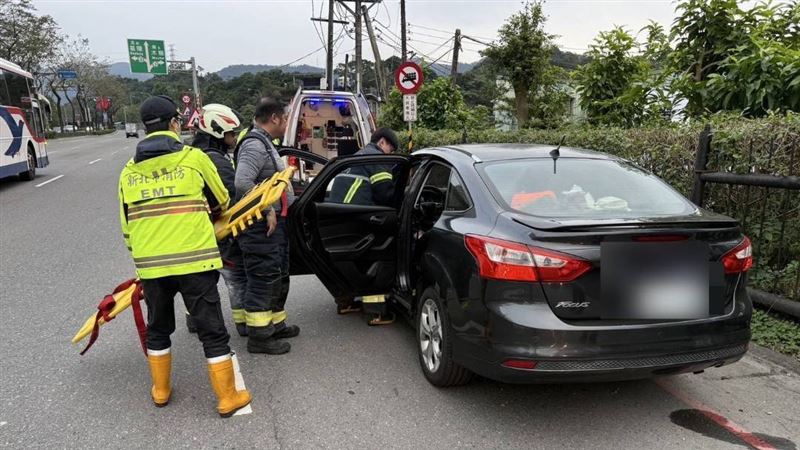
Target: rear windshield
583	188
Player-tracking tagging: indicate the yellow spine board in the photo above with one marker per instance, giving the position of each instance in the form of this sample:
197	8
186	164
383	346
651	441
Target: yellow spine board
268	192
122	301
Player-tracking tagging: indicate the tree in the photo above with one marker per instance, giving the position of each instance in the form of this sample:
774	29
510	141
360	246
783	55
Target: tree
440	105
26	38
731	59
479	85
621	85
704	32
523	55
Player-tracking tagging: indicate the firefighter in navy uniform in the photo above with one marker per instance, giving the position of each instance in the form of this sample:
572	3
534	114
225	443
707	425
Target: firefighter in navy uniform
166	193
371	184
265	244
216	136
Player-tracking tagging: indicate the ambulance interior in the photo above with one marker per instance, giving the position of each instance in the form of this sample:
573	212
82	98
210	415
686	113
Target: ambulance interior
328	127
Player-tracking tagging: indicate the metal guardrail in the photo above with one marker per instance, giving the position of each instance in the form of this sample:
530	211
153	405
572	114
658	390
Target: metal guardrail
702	176
775	302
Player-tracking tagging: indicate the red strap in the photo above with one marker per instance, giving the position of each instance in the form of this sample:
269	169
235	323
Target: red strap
108	303
141	328
284	204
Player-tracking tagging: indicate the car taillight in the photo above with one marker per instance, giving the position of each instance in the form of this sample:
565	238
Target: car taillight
740	259
503	260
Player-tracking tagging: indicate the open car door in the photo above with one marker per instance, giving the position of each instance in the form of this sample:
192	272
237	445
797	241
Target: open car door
306	165
352	248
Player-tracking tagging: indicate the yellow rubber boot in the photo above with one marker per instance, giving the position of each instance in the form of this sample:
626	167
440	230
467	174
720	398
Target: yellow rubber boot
160	371
220	371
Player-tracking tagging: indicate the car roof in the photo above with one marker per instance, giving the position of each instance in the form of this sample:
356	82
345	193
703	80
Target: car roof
499	152
326	94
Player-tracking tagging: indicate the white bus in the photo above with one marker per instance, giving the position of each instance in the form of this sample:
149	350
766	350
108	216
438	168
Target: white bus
22	135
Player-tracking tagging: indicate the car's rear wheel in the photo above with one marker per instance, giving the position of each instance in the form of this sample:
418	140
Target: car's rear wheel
435	348
29	174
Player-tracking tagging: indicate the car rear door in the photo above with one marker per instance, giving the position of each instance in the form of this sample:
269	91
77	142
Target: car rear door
293	112
368	125
352	248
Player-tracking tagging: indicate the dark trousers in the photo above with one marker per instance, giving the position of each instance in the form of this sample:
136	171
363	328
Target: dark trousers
235	277
201	298
266	263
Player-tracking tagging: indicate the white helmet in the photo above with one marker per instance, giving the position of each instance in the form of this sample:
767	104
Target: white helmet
216	120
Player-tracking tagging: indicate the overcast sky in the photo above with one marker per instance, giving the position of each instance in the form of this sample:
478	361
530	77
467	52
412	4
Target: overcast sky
224	32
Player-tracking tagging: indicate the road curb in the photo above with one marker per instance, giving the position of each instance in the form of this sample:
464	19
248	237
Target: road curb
787	362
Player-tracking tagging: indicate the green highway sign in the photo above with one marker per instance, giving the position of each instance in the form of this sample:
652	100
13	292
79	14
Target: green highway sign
147	56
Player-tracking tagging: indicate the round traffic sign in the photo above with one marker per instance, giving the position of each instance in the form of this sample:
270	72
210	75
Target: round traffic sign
408	77
186	99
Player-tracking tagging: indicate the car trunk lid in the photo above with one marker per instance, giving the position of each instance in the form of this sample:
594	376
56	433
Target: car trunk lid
673	242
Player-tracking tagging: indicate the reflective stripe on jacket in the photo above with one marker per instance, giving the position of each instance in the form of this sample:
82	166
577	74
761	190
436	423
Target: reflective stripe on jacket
164	210
371	184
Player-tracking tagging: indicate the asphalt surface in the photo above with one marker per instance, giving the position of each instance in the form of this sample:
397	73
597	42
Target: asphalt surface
344	385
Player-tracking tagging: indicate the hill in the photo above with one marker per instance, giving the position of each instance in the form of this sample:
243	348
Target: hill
123	69
226	73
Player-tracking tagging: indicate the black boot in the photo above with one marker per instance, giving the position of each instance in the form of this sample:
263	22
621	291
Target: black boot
263	340
190	325
241	328
283	331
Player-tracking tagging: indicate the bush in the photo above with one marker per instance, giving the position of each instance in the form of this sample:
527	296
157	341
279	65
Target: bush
771	217
51	135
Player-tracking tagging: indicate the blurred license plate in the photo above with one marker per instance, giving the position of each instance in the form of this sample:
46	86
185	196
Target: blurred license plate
655	280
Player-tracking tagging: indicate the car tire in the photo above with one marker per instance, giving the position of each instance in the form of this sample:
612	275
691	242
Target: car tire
29	174
435	343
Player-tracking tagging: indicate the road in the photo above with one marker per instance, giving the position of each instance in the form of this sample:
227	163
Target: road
344	385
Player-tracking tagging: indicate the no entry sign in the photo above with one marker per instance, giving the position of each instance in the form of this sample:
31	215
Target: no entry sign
408	77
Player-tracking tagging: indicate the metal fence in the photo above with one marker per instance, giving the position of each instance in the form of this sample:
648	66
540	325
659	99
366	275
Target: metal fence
766	199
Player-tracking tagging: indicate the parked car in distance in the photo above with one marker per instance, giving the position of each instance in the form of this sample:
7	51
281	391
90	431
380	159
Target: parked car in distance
523	263
131	130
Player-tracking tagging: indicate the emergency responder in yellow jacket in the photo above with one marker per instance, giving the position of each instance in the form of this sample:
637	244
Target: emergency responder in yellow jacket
371	184
167	194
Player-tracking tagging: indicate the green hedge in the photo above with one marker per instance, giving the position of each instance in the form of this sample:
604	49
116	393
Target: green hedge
51	135
771	217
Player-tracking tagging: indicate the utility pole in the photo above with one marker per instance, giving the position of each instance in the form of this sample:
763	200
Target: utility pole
380	75
356	12
403	30
346	70
195	84
358	45
329	67
456	49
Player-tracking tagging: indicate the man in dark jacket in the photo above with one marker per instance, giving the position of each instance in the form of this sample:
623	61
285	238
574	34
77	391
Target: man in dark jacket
371	184
265	245
216	135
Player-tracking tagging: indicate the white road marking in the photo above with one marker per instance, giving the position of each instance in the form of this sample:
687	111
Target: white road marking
114	152
49	181
92	162
239	383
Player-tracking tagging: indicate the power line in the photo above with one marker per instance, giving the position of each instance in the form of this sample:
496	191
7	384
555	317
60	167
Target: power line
319	34
410	38
445	31
439	58
301	58
416	50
